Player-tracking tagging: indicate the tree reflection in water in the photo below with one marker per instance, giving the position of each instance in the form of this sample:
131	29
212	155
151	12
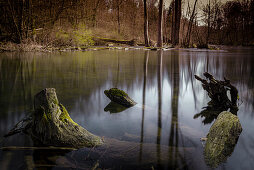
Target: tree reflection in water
88	74
159	88
146	59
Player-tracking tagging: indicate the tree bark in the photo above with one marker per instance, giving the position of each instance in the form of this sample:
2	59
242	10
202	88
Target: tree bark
208	22
51	125
190	24
146	36
160	23
177	12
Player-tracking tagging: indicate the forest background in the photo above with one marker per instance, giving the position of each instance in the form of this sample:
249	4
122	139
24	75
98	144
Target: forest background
185	23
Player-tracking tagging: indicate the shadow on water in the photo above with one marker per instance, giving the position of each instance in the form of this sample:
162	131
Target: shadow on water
113	107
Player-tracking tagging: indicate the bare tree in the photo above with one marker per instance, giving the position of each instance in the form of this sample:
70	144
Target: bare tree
208	21
177	13
146	25
95	9
191	23
160	22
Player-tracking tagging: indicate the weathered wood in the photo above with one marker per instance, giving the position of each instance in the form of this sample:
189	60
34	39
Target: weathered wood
132	42
217	91
222	138
120	97
50	124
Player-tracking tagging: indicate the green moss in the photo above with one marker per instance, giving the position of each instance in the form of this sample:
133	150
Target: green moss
64	117
222	138
45	117
117	92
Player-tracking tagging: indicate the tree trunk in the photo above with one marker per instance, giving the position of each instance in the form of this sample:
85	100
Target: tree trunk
146	25
51	125
160	22
119	2
95	12
190	24
208	22
176	21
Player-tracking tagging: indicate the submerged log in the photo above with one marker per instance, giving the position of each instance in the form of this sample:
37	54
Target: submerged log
222	138
120	97
50	124
217	91
116	154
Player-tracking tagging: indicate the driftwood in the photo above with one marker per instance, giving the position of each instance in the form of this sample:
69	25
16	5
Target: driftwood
132	42
50	124
120	97
217	91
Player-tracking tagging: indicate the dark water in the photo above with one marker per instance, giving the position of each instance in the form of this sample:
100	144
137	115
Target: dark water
161	82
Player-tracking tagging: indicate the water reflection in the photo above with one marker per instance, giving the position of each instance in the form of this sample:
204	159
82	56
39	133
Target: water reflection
113	107
159	89
146	59
209	114
161	82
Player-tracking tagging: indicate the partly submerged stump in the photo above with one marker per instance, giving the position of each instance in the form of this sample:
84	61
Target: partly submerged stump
120	97
51	124
217	91
222	138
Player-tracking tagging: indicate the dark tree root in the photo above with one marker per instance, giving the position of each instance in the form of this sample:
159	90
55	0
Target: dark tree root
217	91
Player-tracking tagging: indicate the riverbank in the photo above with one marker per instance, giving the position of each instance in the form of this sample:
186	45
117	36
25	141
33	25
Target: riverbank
35	47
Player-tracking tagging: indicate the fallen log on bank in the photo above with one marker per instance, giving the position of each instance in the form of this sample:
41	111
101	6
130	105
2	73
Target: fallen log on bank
50	124
132	42
217	91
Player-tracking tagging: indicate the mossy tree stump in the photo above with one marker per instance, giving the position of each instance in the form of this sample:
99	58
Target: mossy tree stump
120	97
222	138
51	124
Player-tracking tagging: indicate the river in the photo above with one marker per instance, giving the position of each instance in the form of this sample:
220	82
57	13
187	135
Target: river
161	82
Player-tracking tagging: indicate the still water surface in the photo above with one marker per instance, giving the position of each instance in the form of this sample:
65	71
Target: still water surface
161	82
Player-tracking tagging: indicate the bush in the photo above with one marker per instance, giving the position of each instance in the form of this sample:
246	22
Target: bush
79	36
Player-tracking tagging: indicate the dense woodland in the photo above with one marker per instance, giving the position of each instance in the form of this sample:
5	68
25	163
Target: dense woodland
151	22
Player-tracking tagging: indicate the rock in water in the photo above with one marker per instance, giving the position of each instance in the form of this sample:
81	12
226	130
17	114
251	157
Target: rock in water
222	138
51	125
120	97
